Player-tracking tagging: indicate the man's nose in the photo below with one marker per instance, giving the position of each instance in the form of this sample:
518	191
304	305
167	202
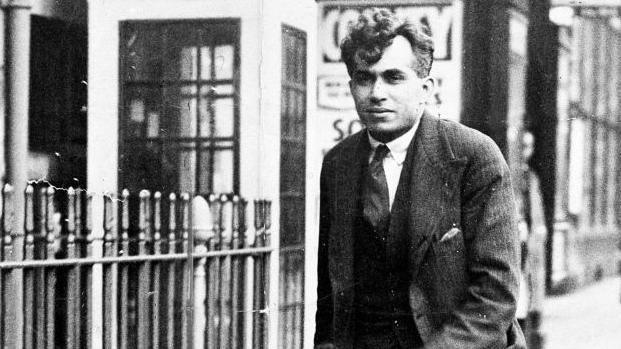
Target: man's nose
378	91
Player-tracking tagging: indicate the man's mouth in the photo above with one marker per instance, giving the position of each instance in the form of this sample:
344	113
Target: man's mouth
378	110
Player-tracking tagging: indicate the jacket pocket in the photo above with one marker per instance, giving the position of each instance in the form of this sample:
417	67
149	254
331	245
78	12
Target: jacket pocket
448	270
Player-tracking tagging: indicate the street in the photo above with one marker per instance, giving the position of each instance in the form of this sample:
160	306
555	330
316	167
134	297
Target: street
589	317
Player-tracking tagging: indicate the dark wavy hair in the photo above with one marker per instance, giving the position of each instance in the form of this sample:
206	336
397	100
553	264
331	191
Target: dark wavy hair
375	31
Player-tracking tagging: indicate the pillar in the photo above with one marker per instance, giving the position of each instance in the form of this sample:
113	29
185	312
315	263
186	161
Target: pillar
17	62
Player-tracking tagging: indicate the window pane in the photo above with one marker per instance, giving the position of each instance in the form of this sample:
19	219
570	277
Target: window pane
181	53
140	165
205	111
224	114
136	117
224	62
223	171
178	167
206	63
180	111
153	124
142	58
187	63
186	166
140	104
204	173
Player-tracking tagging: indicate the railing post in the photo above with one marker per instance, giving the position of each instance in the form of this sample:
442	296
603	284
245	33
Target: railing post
157	266
50	273
72	274
236	276
8	254
259	285
29	274
144	271
270	304
110	273
124	282
201	228
186	288
94	281
171	286
17	58
213	274
226	235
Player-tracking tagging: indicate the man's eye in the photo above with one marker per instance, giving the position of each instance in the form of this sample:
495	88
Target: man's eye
394	77
363	78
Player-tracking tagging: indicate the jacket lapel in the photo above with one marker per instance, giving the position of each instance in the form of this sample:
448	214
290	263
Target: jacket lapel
433	187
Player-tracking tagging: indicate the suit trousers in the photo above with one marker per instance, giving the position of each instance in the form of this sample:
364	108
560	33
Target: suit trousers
400	333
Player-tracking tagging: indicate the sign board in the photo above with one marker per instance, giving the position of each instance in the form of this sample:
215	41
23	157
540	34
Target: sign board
333	92
336	106
337	18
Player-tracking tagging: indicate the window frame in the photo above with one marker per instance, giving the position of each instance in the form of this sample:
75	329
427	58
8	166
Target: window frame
211	144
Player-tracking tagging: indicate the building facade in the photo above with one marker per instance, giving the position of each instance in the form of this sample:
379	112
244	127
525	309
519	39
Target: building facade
587	212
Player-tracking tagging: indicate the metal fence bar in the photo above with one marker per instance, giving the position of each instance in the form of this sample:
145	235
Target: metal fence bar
225	272
88	306
253	251
236	276
10	284
186	273
267	241
144	268
40	275
258	276
110	274
70	340
50	273
157	250
4	243
201	226
29	323
212	270
247	283
7	253
77	269
170	292
124	274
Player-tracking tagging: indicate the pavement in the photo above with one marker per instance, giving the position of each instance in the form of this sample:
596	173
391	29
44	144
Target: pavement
587	318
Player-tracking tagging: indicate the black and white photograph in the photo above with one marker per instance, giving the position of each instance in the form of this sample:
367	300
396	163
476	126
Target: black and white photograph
310	174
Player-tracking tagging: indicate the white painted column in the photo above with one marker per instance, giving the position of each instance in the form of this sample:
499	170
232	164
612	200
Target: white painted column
17	61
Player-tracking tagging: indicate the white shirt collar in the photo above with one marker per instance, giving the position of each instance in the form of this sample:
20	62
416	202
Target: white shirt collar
399	146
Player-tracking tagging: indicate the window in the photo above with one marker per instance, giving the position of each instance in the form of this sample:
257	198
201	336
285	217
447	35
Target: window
57	120
292	187
179	106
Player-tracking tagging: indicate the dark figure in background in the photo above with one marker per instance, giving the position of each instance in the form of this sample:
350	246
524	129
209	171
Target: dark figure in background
418	242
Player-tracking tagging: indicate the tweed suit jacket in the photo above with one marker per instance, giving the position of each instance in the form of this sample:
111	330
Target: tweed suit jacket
463	248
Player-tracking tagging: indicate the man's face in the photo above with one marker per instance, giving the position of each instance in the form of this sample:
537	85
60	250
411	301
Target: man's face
389	96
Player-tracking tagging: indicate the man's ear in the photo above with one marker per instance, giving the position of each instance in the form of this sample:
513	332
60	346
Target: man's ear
429	86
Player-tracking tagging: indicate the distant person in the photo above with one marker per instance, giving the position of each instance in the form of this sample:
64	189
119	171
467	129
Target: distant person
418	240
532	240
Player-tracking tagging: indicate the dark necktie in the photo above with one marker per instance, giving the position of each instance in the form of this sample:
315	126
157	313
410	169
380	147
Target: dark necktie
376	205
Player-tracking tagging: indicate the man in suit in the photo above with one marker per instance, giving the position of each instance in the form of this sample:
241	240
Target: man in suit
418	244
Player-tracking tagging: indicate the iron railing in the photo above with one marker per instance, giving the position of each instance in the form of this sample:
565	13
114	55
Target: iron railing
183	273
